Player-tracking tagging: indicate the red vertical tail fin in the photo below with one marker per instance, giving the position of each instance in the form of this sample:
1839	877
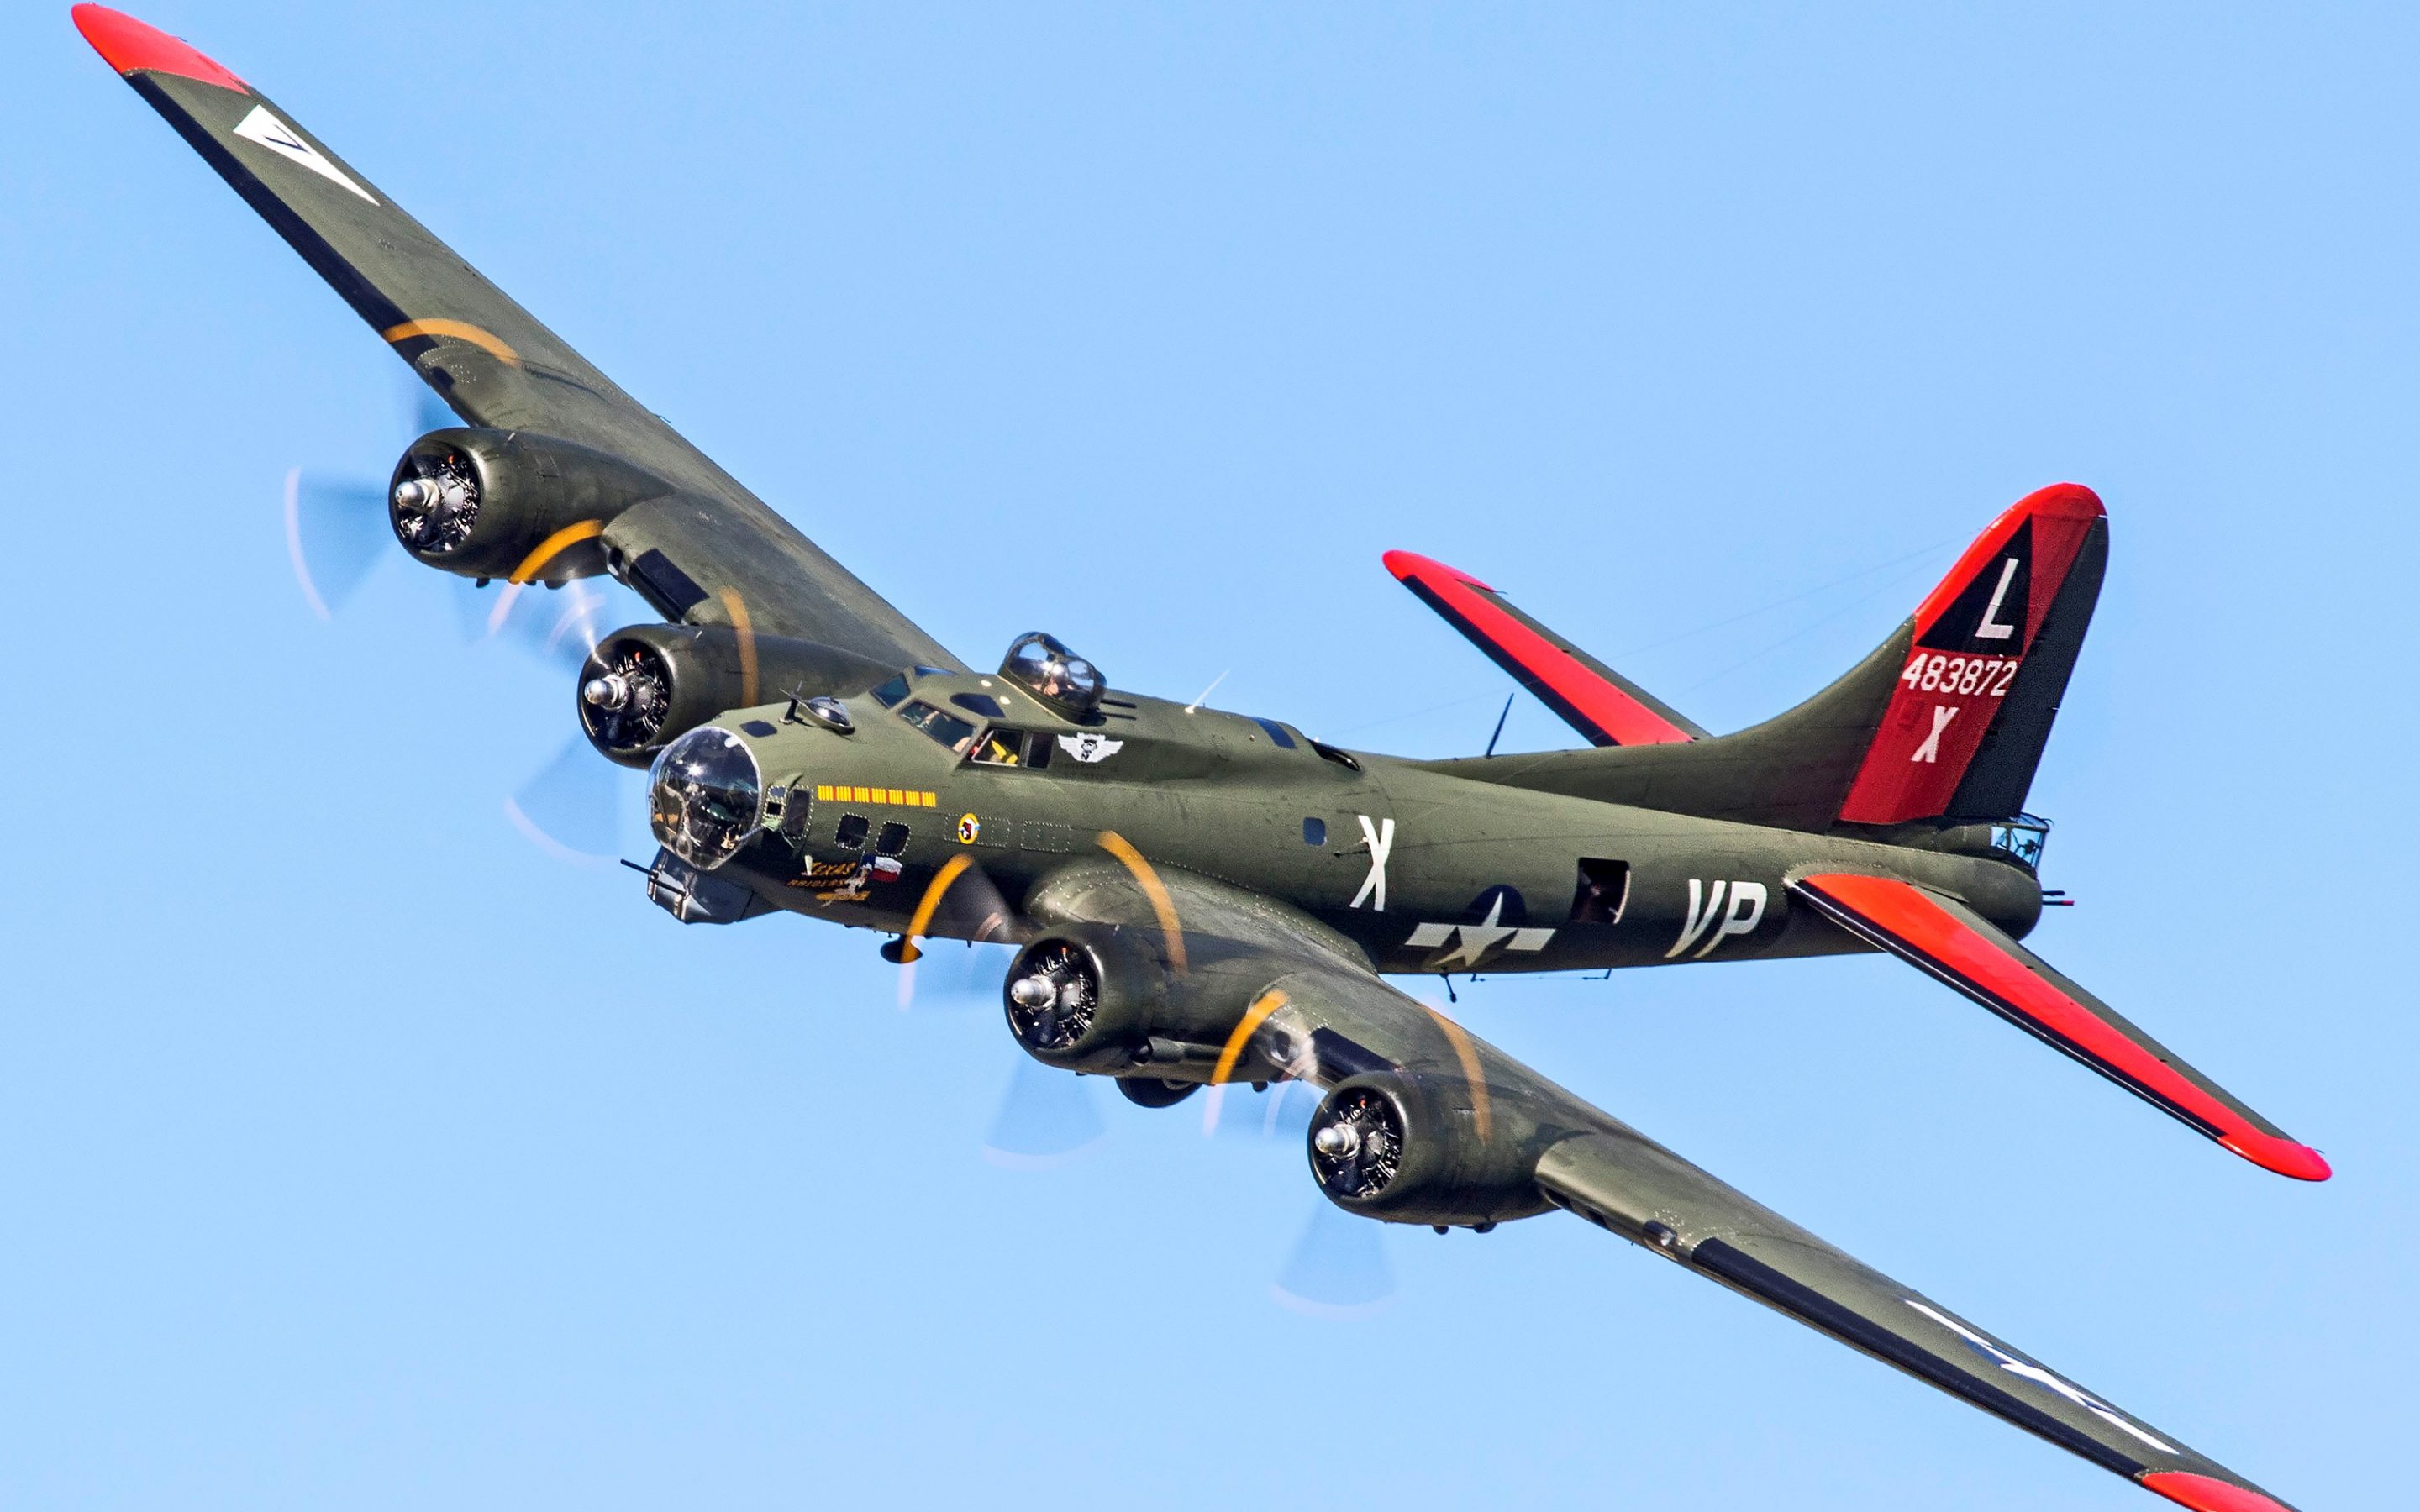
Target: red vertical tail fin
1991	652
1945	719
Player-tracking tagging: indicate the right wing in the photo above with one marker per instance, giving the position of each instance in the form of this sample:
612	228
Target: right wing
1590	697
694	555
1561	1151
1945	938
1628	1185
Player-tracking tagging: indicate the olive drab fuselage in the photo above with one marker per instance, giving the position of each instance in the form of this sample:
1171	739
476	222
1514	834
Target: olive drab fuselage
1426	872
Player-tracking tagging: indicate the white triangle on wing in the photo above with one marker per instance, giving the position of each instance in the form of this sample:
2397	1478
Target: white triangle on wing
288	143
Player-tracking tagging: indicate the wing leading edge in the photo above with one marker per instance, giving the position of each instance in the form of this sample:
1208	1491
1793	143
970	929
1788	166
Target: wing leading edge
710	552
1949	941
1591	1164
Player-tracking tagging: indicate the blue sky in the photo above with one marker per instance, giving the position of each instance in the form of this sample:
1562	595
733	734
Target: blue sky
357	1153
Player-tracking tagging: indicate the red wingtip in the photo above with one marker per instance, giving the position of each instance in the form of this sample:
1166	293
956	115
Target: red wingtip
2204	1494
129	46
2284	1156
1407	566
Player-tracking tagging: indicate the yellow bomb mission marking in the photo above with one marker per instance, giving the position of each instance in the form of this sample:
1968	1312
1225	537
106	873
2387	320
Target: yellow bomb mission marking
894	798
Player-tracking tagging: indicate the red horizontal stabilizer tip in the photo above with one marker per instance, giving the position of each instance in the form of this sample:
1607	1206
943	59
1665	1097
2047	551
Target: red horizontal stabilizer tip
1589	696
132	47
1406	564
1910	922
2204	1494
2284	1156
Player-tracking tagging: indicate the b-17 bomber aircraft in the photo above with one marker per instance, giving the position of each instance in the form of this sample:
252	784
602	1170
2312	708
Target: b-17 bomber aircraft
1200	897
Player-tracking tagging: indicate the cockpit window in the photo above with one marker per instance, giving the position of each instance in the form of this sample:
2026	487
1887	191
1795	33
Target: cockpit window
706	798
948	729
893	692
1045	668
1013	748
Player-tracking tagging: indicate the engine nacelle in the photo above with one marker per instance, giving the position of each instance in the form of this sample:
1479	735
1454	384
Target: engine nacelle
1415	1148
1081	997
501	503
644	688
1097	998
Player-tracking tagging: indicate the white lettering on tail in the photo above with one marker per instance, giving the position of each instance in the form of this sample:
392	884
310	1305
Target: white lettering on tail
1991	629
1930	750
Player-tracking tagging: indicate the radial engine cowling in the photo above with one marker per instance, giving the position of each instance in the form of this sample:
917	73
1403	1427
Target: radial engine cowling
1080	998
646	686
499	504
1416	1147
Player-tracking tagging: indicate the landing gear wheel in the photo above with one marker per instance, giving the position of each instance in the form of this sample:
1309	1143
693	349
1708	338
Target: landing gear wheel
1154	1092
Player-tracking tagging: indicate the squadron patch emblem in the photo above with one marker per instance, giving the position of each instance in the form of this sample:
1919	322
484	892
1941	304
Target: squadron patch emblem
1089	749
970	828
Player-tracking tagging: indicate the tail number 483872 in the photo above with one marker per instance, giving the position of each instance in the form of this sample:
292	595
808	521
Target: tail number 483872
1932	673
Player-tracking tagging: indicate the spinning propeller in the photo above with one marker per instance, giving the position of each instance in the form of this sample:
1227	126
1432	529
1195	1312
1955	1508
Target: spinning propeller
1337	1268
338	530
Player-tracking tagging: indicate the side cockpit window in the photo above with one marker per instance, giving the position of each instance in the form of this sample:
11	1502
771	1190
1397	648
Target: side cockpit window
893	692
1028	748
946	728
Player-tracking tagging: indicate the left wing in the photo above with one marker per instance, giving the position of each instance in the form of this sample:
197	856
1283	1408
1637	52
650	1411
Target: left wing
710	553
1480	1135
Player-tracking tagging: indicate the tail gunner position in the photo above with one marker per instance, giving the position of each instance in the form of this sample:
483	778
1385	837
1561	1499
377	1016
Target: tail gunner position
1204	897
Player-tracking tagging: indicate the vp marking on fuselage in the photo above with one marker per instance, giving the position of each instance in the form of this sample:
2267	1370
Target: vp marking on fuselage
1707	917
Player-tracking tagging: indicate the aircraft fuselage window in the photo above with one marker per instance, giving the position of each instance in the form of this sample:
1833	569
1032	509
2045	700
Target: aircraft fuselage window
1314	832
797	810
891	841
893	692
2021	840
948	729
850	835
1604	888
1029	748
